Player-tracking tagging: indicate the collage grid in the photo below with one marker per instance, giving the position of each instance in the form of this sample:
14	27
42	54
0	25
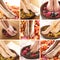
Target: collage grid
29	30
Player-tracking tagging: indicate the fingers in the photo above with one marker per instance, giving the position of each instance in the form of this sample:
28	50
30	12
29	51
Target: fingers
11	32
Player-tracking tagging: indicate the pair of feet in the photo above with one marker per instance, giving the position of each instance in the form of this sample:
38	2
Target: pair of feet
29	29
4	50
6	11
53	5
52	50
26	6
35	47
10	30
54	28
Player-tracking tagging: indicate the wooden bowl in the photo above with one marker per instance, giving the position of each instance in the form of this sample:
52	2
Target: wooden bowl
54	15
49	35
28	54
6	34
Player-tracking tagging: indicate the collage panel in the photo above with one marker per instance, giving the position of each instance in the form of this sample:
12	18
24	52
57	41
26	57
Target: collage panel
9	49
50	50
9	9
50	9
30	29
50	29
29	50
29	9
9	29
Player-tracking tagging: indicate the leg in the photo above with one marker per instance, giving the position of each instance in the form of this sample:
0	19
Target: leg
50	5
56	5
5	10
34	48
54	51
24	7
27	28
56	29
30	6
50	48
53	24
8	28
3	45
31	28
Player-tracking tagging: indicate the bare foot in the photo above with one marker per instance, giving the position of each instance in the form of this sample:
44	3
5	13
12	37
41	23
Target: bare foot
53	5
50	5
56	5
34	48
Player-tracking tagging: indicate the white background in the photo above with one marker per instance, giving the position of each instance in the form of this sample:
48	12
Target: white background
13	2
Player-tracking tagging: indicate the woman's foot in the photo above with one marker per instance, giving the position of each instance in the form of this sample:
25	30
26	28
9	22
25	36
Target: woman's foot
34	48
6	11
53	5
56	5
11	31
50	5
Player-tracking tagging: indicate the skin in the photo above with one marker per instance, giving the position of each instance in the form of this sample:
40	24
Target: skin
53	5
54	27
54	51
26	5
34	48
4	50
29	29
5	10
7	26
